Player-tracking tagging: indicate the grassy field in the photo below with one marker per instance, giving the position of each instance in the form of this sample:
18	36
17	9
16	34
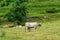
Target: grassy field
48	31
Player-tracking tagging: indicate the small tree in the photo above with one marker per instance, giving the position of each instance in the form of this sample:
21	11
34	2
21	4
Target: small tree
18	12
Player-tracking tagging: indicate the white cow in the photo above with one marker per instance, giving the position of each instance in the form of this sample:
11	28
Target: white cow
29	25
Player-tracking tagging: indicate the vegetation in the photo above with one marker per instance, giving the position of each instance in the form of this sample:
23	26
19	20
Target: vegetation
2	33
48	31
45	11
35	8
18	12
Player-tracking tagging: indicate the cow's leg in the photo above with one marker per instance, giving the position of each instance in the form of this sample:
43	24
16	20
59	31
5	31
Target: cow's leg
26	29
34	28
29	29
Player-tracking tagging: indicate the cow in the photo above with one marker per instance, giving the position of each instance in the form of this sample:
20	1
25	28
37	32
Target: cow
29	25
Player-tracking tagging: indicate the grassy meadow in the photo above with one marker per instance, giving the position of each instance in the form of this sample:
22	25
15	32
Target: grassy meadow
48	31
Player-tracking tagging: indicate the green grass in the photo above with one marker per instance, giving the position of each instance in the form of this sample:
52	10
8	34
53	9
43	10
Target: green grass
48	31
49	17
34	6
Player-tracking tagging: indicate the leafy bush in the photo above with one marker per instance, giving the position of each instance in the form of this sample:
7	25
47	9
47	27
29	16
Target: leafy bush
18	12
2	5
51	10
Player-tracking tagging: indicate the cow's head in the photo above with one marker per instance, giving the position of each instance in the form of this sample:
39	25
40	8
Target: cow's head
39	24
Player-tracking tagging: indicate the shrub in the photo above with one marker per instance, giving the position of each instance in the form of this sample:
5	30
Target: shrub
2	5
18	12
51	10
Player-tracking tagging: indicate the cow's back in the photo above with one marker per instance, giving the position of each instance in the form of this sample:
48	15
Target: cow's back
31	24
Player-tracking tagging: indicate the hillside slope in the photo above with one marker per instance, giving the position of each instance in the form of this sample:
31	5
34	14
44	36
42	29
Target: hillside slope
34	6
39	8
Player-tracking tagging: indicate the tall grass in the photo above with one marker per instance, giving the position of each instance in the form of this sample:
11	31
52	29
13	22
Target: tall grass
48	31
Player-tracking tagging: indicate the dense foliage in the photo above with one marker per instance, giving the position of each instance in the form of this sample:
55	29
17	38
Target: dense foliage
18	12
15	10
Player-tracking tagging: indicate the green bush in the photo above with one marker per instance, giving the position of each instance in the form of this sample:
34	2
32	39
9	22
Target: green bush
2	5
51	10
18	12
